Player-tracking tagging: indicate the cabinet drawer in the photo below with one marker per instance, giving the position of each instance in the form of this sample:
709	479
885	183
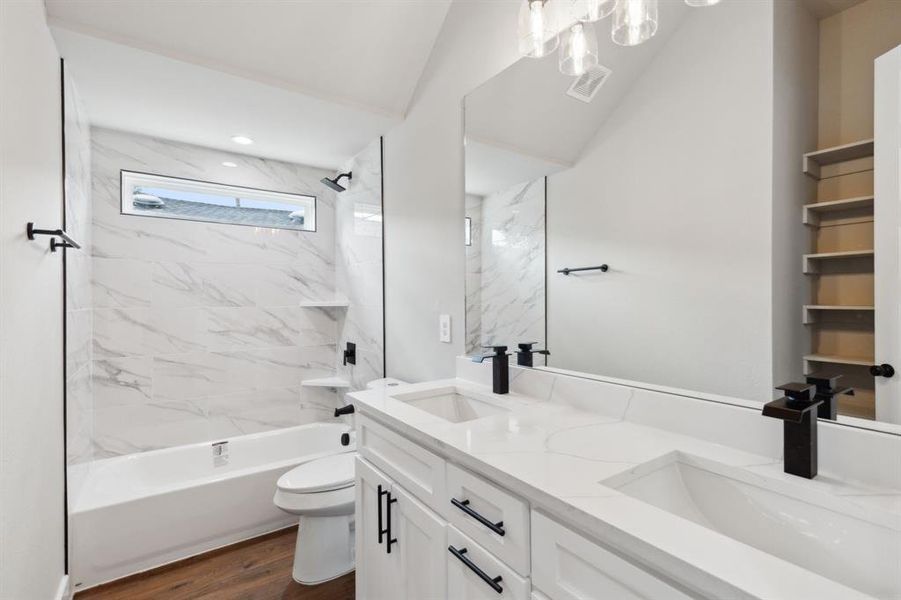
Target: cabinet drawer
416	469
464	582
494	518
567	566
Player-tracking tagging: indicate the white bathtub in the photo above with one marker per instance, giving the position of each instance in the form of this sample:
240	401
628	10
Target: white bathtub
136	512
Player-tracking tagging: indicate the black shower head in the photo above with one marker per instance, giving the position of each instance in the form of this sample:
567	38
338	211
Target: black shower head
333	183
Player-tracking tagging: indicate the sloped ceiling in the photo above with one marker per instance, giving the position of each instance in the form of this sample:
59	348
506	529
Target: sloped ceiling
364	53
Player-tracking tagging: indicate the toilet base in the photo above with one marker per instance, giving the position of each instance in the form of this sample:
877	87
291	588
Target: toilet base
324	549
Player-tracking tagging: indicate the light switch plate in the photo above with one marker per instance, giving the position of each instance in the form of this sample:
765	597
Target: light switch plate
444	328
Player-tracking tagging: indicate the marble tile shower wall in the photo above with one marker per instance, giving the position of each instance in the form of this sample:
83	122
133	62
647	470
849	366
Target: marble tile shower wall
473	210
512	294
198	331
358	269
79	393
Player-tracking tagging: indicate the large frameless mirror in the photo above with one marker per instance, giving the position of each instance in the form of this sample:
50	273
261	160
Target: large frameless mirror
717	221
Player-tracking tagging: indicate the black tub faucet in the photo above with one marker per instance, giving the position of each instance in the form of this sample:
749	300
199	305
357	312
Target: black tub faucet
798	411
500	368
827	390
524	356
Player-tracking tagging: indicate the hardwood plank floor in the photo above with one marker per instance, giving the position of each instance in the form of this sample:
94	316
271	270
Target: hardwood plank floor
257	569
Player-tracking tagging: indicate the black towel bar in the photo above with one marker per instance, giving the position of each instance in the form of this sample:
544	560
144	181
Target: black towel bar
67	242
568	270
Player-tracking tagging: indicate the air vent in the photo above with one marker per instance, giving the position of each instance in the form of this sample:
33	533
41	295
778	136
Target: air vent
586	87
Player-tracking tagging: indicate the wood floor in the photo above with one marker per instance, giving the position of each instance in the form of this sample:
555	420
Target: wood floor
258	569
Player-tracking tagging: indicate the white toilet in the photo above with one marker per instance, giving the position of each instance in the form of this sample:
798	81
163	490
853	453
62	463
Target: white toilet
321	492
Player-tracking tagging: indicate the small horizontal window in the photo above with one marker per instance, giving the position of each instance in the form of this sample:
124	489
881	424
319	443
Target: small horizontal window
175	198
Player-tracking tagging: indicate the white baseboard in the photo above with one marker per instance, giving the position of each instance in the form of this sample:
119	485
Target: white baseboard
62	591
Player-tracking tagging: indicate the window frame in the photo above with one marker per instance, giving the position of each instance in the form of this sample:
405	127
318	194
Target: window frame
129	179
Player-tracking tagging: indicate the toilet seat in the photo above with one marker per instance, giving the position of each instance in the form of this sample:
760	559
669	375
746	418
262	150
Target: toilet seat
326	474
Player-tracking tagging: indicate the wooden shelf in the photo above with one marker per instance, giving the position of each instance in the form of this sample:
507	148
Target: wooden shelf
334	303
810	259
807	318
813	161
864	361
330	382
812	212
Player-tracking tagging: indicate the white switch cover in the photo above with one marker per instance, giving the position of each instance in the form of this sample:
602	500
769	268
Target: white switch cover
444	328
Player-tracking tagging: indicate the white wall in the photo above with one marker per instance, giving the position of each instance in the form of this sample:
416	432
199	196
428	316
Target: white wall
424	256
675	195
32	452
795	64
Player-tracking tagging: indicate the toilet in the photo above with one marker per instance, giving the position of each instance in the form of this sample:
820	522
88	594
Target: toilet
321	493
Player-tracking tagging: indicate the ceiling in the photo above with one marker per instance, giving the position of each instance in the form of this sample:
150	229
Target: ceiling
524	111
364	53
133	90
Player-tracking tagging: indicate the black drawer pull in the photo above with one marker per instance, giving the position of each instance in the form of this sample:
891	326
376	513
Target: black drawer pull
463	505
382	531
494	582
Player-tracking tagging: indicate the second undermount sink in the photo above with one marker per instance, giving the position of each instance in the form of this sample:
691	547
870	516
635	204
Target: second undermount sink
814	531
451	404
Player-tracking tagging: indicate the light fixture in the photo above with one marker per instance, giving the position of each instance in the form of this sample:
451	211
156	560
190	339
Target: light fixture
634	21
538	34
242	139
701	3
578	49
229	163
591	10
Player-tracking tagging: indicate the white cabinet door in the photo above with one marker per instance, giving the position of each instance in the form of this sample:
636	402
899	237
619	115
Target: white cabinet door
420	547
887	232
378	573
567	566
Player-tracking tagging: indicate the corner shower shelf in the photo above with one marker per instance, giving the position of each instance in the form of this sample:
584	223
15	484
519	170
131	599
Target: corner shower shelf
334	303
331	382
810	260
812	212
813	161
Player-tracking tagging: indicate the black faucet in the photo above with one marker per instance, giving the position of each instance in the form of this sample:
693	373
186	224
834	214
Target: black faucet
500	368
827	390
347	409
797	409
525	354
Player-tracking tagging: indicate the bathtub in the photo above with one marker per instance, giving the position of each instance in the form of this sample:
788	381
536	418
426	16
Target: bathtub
136	512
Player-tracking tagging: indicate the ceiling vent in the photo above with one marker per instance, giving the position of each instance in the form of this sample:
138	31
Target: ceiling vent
586	87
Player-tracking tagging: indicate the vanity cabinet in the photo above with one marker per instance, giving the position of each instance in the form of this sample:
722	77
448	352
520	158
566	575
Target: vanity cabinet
429	529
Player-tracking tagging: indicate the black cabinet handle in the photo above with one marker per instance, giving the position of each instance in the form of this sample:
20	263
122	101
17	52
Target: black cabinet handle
388	504
884	370
494	582
463	505
381	530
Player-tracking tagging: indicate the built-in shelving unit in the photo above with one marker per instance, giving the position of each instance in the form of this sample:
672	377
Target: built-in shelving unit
813	213
811	261
333	303
814	161
840	315
329	382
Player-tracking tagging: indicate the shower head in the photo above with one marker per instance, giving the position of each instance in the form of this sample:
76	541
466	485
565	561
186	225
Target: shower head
333	183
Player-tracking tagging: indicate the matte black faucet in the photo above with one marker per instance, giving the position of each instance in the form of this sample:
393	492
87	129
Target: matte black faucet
500	368
797	409
524	356
827	390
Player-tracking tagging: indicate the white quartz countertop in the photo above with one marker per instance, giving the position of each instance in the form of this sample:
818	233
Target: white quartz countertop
555	455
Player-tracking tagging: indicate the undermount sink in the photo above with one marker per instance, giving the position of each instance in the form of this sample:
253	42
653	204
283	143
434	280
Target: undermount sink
816	532
451	404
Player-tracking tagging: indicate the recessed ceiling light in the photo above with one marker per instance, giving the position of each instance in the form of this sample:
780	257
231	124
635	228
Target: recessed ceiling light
241	139
229	163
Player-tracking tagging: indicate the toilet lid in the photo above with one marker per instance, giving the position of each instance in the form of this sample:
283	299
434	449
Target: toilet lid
333	472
